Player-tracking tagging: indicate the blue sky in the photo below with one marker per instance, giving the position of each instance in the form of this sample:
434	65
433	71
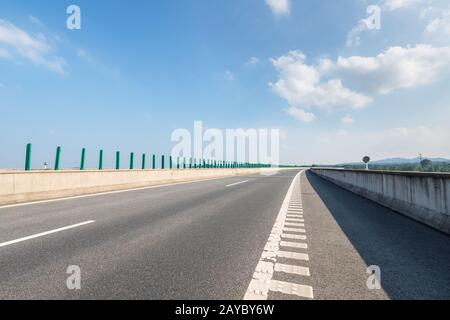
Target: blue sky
138	70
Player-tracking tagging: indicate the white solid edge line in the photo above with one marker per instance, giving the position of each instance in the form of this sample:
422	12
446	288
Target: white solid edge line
107	193
4	244
237	183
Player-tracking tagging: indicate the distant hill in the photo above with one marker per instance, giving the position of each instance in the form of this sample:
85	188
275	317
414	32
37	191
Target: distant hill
398	161
407	161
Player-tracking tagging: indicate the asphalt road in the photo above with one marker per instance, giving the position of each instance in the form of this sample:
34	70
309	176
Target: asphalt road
203	240
349	233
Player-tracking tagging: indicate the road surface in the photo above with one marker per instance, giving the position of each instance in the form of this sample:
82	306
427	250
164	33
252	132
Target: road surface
206	240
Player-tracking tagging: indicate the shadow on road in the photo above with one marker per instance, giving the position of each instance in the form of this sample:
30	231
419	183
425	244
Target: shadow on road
414	259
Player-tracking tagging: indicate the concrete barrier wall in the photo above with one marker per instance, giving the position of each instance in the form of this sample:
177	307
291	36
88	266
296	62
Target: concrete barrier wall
22	186
421	196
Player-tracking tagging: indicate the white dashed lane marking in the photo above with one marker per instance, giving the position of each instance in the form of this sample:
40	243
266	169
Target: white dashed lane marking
295	220
292	289
43	234
299	245
292	224
236	184
293	236
288	233
293	255
302	271
295	230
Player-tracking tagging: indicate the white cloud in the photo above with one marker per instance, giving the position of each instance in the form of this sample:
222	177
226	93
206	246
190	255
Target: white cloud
252	61
35	20
302	86
279	7
228	75
392	5
354	36
439	25
354	82
427	12
301	114
348	119
84	55
396	68
36	49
